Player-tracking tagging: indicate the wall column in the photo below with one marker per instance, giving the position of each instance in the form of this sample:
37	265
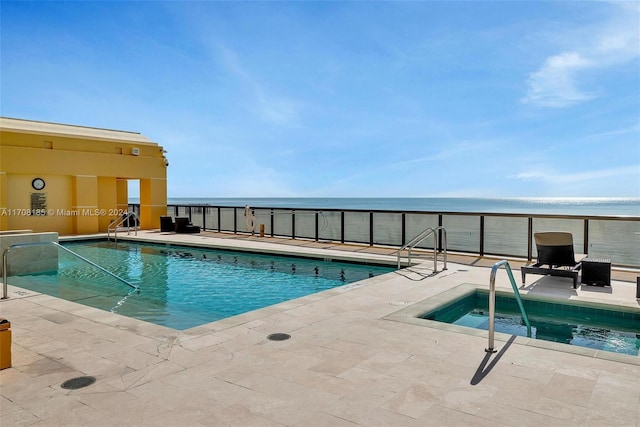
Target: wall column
84	203
107	202
153	202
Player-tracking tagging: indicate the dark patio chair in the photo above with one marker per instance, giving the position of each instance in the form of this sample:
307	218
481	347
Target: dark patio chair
166	224
183	225
555	250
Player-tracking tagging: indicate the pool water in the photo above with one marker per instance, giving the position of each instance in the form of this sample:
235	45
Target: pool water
182	287
595	327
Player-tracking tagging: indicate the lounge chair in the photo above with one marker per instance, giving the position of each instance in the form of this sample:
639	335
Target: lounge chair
555	249
183	225
166	224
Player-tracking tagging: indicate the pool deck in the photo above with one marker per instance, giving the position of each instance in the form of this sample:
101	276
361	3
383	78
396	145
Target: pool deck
350	361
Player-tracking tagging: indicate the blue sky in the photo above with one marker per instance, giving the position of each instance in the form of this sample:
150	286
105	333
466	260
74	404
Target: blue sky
345	99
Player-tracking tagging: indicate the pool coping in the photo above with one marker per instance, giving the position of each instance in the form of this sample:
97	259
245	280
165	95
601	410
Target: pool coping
411	315
269	248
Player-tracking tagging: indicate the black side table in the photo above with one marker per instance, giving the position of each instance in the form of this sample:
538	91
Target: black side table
596	271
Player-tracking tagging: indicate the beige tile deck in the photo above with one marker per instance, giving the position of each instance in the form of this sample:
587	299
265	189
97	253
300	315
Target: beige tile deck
346	364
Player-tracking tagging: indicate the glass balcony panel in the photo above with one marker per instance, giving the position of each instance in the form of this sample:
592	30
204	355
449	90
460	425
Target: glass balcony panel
617	240
183	211
506	235
416	223
356	227
226	219
263	216
329	224
387	228
282	225
241	222
197	216
211	218
306	224
463	232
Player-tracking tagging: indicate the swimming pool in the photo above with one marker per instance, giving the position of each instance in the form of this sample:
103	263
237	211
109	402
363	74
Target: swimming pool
594	326
182	287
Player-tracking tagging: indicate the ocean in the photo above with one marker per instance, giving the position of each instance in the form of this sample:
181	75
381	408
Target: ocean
560	206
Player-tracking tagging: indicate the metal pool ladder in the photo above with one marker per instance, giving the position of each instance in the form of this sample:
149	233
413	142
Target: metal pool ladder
59	246
120	222
492	302
419	238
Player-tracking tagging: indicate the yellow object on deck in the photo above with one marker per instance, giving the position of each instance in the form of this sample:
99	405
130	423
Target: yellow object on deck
5	344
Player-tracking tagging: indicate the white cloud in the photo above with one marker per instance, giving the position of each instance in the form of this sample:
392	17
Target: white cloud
552	177
557	82
446	150
554	84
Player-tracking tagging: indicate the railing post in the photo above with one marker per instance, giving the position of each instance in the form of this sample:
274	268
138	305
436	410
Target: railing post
404	230
316	225
341	226
204	217
371	228
219	221
293	223
530	239
585	244
481	235
271	223
235	221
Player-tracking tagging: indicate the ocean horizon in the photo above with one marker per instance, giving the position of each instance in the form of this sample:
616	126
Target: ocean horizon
614	206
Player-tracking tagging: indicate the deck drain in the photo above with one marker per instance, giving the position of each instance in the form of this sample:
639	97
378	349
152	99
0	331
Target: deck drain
278	337
400	303
78	382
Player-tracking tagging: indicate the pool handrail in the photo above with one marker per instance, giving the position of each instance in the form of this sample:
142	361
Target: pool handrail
492	302
119	221
5	255
419	238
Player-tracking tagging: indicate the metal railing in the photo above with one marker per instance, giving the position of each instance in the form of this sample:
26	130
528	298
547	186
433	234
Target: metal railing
119	223
492	302
5	256
409	246
486	234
